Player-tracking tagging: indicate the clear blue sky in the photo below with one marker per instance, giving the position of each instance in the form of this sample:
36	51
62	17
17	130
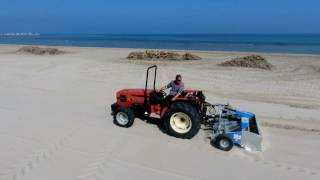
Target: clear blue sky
160	16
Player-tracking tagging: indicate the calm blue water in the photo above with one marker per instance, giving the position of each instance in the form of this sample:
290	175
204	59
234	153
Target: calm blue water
307	44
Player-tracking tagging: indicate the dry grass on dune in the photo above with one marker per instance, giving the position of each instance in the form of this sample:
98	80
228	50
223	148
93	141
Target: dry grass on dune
189	56
252	61
40	51
161	55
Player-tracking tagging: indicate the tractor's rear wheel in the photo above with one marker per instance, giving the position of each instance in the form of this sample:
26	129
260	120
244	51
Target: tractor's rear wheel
123	117
182	120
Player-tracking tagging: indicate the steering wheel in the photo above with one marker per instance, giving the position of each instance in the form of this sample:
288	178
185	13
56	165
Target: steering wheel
163	93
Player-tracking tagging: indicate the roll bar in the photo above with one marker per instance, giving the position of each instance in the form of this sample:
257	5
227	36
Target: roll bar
154	82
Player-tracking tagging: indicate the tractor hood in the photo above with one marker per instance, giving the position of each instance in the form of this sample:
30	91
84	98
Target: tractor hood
134	92
127	97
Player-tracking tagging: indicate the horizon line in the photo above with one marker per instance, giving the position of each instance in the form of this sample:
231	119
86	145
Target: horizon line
68	33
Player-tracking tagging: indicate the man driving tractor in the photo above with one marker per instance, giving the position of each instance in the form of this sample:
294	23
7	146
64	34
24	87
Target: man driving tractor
177	87
184	113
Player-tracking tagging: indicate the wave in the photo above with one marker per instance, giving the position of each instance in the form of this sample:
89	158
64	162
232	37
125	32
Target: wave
20	34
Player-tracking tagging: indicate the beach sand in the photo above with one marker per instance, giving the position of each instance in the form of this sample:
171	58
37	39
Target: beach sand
56	122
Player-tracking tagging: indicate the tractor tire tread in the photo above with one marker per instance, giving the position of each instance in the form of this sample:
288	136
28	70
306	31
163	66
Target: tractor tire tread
191	111
220	137
130	114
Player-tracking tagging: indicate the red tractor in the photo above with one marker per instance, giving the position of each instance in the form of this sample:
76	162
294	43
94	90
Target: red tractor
182	118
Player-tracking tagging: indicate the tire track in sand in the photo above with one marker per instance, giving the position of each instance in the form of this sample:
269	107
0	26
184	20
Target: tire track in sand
31	161
258	159
95	169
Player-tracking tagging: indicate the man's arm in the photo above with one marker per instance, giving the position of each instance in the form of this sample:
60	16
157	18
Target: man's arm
165	87
175	97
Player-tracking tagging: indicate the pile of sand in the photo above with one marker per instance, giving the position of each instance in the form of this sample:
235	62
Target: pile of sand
252	61
40	51
189	56
163	55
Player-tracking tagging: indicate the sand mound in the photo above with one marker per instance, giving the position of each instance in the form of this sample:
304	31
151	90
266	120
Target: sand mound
40	51
189	56
252	61
161	55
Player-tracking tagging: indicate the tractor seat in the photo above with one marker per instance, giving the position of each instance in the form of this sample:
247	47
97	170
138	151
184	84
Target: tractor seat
156	97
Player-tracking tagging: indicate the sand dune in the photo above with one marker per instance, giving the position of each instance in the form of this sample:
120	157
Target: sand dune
56	123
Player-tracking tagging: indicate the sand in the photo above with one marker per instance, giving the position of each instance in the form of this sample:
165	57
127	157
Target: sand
56	122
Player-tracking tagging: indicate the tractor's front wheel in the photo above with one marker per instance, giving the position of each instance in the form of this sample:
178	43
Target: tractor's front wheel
123	117
182	120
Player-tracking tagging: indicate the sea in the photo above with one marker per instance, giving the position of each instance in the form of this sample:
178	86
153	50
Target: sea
266	43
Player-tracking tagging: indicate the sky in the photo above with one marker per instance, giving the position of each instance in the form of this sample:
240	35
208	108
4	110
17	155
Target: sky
160	16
